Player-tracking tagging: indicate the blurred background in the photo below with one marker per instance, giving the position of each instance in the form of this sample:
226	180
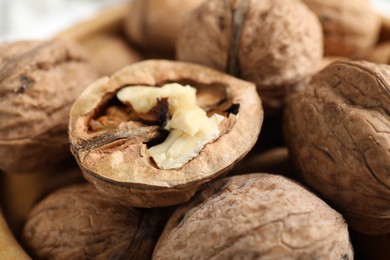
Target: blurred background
39	19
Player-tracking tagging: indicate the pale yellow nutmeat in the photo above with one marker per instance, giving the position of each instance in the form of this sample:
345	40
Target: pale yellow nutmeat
190	127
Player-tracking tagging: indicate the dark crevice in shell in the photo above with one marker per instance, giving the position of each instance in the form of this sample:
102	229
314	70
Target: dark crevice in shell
25	83
157	115
239	13
163	134
233	109
110	137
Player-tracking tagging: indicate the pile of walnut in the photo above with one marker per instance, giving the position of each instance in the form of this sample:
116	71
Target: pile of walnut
265	133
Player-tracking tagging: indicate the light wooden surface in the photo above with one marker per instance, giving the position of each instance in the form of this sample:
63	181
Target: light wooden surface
9	247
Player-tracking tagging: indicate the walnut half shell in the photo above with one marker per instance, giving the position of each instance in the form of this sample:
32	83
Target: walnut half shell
109	141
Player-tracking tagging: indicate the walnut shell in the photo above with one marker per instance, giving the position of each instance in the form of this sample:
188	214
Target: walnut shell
155	24
256	216
277	44
350	28
337	131
38	83
78	223
115	159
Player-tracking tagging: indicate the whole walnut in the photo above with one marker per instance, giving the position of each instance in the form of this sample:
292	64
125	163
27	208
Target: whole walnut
338	134
256	216
39	80
78	223
350	28
276	44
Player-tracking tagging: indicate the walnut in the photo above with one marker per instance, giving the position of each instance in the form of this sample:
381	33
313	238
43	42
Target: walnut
337	131
380	54
256	216
350	28
155	24
114	140
109	53
277	44
38	83
78	223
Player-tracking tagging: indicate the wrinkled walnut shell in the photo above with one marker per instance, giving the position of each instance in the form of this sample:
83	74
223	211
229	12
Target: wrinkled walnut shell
338	133
38	83
115	160
78	223
256	216
276	44
350	28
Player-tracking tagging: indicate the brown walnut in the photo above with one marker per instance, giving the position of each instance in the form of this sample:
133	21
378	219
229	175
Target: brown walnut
350	28
109	140
155	24
255	216
78	223
38	83
277	44
338	133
